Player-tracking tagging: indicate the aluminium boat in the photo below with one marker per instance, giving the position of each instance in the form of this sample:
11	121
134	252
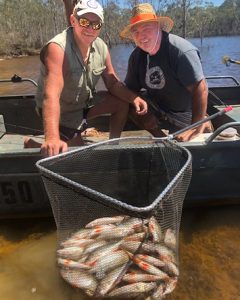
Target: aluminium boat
215	157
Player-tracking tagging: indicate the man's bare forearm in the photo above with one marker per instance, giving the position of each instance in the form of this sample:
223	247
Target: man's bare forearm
51	117
199	103
118	89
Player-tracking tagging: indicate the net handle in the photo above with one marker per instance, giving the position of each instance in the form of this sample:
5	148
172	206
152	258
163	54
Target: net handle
196	124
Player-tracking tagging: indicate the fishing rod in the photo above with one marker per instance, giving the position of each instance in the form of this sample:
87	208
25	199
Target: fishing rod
227	61
33	130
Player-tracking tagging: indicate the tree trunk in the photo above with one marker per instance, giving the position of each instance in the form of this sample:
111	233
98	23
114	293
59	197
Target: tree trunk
184	19
68	9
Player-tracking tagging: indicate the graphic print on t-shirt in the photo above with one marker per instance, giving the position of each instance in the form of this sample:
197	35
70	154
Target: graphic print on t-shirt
155	78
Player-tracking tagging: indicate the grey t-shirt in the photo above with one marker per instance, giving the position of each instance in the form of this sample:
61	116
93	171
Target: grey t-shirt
166	74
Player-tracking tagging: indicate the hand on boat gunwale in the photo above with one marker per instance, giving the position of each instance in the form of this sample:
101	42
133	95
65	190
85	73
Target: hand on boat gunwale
56	146
188	135
192	133
53	147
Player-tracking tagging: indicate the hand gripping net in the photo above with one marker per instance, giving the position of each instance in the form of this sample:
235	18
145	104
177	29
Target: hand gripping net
117	206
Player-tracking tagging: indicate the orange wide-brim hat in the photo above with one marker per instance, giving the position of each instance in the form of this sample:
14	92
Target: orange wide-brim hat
143	13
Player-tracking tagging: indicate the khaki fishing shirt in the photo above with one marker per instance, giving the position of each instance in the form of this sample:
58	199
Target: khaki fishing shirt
79	79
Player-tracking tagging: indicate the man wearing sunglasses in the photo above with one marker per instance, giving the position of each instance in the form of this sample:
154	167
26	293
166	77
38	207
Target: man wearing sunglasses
72	63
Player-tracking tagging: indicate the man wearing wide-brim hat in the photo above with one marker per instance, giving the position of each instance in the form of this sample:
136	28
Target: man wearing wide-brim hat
168	69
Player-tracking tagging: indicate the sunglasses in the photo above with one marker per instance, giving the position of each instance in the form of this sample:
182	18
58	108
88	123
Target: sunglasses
83	22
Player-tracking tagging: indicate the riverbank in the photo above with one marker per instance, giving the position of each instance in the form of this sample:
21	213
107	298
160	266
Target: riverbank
21	53
32	52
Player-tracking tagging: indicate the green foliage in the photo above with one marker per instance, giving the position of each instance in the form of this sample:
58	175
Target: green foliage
25	25
28	24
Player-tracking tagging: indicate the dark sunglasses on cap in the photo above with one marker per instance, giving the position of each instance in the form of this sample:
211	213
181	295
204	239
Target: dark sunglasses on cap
83	22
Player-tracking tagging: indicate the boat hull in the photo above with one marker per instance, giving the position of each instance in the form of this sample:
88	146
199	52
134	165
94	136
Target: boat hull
22	192
216	164
215	180
215	177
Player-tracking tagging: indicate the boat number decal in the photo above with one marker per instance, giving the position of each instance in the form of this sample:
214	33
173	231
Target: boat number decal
15	193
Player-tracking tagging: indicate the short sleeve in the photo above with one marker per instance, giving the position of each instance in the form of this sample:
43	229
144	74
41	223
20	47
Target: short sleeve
189	67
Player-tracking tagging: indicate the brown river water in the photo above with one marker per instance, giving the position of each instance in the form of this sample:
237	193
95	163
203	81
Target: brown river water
209	258
209	243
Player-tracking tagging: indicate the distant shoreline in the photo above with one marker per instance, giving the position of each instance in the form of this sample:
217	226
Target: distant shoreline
24	54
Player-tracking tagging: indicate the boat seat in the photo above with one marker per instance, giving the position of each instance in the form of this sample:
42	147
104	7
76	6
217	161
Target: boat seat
233	115
2	127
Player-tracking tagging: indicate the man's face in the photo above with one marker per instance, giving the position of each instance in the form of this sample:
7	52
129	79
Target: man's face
145	35
87	27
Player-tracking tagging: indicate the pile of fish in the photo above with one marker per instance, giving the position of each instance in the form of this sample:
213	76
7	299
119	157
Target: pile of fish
121	257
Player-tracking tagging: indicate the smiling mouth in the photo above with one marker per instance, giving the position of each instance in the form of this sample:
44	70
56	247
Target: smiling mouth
144	41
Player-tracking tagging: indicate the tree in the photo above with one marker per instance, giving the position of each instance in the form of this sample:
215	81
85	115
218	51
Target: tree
200	19
26	25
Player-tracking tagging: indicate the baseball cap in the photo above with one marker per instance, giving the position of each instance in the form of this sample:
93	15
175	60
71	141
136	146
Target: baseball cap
88	6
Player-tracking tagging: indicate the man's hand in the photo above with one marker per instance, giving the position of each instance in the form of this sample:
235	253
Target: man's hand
53	147
140	106
188	135
192	133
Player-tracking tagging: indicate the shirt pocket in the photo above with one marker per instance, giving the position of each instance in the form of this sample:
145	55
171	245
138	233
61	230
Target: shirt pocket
96	73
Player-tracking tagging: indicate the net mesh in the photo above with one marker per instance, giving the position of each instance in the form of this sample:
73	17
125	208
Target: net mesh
117	206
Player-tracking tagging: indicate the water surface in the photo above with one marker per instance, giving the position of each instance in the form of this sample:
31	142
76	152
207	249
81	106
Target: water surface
209	258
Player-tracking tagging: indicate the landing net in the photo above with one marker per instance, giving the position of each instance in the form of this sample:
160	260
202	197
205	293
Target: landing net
117	206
